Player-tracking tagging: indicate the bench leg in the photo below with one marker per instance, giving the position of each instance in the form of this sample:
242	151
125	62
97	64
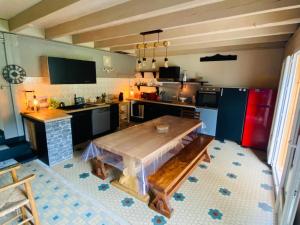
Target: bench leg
161	204
99	168
206	157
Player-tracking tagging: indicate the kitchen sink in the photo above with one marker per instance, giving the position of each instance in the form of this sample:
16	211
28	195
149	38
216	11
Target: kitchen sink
74	107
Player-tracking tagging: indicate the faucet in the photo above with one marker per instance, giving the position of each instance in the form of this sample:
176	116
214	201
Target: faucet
178	94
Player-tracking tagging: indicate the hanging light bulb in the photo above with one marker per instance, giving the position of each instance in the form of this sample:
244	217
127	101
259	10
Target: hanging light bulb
166	62
153	63
166	44
145	46
153	60
144	61
139	60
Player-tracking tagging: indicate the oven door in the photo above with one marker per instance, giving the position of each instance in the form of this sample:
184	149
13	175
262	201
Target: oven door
208	99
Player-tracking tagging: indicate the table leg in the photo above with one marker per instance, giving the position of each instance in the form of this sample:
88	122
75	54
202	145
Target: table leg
128	181
99	169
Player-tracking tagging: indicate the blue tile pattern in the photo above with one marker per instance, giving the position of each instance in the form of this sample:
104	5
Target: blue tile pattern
179	197
158	220
225	191
84	175
103	187
193	179
215	214
203	166
265	207
266	187
231	175
267	172
127	202
236	163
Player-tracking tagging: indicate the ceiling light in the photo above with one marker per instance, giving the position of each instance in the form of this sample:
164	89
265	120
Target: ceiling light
152	45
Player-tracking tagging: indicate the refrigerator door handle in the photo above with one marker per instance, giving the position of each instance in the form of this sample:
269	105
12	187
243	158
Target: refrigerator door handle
222	92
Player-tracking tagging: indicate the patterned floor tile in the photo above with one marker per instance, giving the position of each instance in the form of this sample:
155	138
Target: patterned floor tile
219	192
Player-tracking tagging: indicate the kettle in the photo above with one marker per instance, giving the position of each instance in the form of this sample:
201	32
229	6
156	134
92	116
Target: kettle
121	96
62	105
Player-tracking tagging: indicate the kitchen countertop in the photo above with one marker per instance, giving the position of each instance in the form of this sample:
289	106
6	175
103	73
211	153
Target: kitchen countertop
173	103
47	115
95	106
50	115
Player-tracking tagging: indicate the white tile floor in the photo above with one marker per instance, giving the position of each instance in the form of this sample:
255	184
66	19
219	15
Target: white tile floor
235	189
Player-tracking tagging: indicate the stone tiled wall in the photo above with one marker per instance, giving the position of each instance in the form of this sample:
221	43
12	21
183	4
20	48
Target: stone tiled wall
59	141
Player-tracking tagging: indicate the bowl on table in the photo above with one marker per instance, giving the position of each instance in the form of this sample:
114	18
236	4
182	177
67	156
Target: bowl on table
162	128
182	99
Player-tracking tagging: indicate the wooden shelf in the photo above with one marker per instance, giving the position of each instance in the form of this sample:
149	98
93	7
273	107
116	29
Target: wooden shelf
143	73
139	87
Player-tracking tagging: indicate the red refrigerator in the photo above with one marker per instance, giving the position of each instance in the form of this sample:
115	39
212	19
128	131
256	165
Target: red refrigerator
258	120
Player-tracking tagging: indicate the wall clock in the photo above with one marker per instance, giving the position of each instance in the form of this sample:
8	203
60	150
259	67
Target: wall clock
14	74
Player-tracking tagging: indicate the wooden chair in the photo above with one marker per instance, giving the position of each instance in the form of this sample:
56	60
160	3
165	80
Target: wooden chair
18	196
188	113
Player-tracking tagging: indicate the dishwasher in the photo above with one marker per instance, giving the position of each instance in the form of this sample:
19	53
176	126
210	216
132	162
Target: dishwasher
100	120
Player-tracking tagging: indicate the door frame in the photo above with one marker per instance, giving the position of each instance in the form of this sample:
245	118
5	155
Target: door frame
288	192
271	151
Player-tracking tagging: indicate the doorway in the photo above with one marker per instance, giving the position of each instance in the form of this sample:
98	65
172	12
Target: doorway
284	117
284	145
8	124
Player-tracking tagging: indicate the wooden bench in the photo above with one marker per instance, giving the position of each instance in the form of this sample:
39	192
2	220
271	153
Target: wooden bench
164	182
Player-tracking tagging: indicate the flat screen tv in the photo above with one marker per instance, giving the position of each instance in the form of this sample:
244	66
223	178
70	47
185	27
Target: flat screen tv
71	71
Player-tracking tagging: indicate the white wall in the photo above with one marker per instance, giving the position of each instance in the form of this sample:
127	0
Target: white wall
253	68
26	51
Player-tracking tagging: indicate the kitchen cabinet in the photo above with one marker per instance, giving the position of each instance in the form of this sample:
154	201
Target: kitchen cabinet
81	123
152	111
144	111
91	123
123	114
231	114
114	116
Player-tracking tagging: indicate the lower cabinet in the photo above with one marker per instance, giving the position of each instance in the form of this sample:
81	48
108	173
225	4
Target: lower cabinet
81	126
89	124
114	116
153	110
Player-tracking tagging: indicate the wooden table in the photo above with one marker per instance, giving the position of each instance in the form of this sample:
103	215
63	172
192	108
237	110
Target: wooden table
141	144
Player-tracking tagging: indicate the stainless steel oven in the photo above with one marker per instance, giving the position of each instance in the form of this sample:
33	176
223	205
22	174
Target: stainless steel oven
208	97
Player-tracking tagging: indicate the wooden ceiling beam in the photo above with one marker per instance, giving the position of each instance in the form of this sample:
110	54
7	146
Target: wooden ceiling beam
270	19
122	13
38	11
234	35
217	11
226	48
227	43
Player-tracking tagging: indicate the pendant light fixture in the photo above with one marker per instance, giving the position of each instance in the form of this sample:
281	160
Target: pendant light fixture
155	46
150	45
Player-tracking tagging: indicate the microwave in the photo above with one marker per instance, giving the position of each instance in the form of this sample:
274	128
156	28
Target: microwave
171	73
208	97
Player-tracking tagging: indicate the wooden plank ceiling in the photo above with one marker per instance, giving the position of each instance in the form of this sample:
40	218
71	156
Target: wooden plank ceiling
191	26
